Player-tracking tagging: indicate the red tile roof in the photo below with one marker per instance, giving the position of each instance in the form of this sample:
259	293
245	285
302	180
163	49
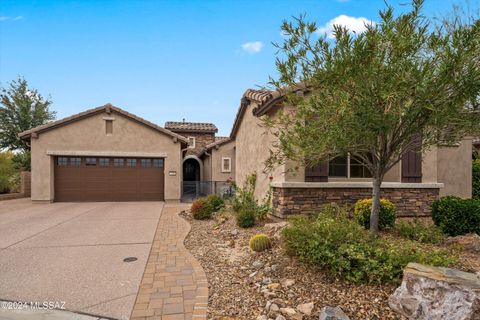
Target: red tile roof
190	127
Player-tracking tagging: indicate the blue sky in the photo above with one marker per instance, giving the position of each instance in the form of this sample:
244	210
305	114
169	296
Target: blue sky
162	60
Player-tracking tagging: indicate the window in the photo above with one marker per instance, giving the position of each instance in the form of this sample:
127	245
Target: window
226	164
338	167
118	162
75	162
158	163
358	169
131	162
104	162
146	163
109	127
62	161
91	161
191	142
347	167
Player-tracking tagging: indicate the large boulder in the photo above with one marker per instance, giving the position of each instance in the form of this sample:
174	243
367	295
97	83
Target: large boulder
437	293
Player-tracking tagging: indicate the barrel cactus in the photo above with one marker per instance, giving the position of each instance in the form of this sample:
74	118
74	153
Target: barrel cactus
260	242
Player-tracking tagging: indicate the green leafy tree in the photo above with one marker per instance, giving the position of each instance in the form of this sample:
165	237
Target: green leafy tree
373	94
7	173
21	108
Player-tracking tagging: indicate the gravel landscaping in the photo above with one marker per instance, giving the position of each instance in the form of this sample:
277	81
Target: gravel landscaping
247	285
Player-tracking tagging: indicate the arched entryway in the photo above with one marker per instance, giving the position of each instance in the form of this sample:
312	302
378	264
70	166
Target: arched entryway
192	169
192	175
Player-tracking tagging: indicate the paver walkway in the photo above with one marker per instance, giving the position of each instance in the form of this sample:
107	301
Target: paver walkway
174	285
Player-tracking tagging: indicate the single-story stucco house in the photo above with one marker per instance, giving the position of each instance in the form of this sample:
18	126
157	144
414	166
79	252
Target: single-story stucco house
108	154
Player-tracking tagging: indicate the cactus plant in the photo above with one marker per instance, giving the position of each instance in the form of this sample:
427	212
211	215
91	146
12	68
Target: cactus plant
260	242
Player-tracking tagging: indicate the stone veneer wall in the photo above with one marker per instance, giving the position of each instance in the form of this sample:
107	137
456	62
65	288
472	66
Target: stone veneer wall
409	201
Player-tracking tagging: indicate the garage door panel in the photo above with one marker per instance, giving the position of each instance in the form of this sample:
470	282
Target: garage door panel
108	179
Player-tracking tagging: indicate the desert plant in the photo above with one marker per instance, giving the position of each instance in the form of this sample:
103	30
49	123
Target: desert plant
200	209
245	198
246	218
260	242
334	242
215	202
415	230
363	209
456	216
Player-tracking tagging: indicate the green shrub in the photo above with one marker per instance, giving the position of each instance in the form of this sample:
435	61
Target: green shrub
200	209
476	179
215	202
260	242
8	173
386	218
246	218
456	216
342	247
415	230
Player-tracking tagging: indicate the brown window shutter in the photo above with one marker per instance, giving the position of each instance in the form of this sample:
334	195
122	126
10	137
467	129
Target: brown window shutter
412	163
318	173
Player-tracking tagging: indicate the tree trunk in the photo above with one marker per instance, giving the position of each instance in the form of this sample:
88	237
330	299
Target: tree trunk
374	215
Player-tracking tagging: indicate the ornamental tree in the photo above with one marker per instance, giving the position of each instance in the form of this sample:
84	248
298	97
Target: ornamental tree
373	94
21	108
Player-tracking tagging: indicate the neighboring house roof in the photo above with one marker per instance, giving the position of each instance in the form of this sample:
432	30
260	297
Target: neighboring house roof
191	127
108	108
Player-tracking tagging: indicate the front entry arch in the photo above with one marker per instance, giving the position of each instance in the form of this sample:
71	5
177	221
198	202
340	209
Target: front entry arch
192	169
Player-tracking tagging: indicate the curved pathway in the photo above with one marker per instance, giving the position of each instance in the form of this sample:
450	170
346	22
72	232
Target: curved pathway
174	285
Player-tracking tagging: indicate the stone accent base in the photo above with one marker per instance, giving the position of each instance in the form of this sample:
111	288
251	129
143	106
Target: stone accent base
409	201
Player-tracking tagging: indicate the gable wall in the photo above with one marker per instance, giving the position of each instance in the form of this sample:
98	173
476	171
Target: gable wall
252	150
225	150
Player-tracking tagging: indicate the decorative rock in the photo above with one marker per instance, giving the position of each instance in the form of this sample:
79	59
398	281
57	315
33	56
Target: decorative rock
257	264
275	267
288	311
273	285
274	307
437	293
331	313
275	227
234	232
305	308
262	317
280	317
266	281
469	242
268	305
288	283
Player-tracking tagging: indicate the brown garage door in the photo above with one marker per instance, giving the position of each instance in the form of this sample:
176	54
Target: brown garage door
108	179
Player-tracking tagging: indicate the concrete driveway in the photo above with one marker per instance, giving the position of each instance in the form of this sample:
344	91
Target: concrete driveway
73	252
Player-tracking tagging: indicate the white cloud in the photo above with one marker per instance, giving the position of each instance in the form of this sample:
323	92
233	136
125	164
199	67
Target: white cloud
252	47
353	24
5	18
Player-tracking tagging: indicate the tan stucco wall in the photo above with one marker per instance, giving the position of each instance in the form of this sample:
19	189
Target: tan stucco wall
455	169
207	168
226	150
430	165
89	135
252	150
